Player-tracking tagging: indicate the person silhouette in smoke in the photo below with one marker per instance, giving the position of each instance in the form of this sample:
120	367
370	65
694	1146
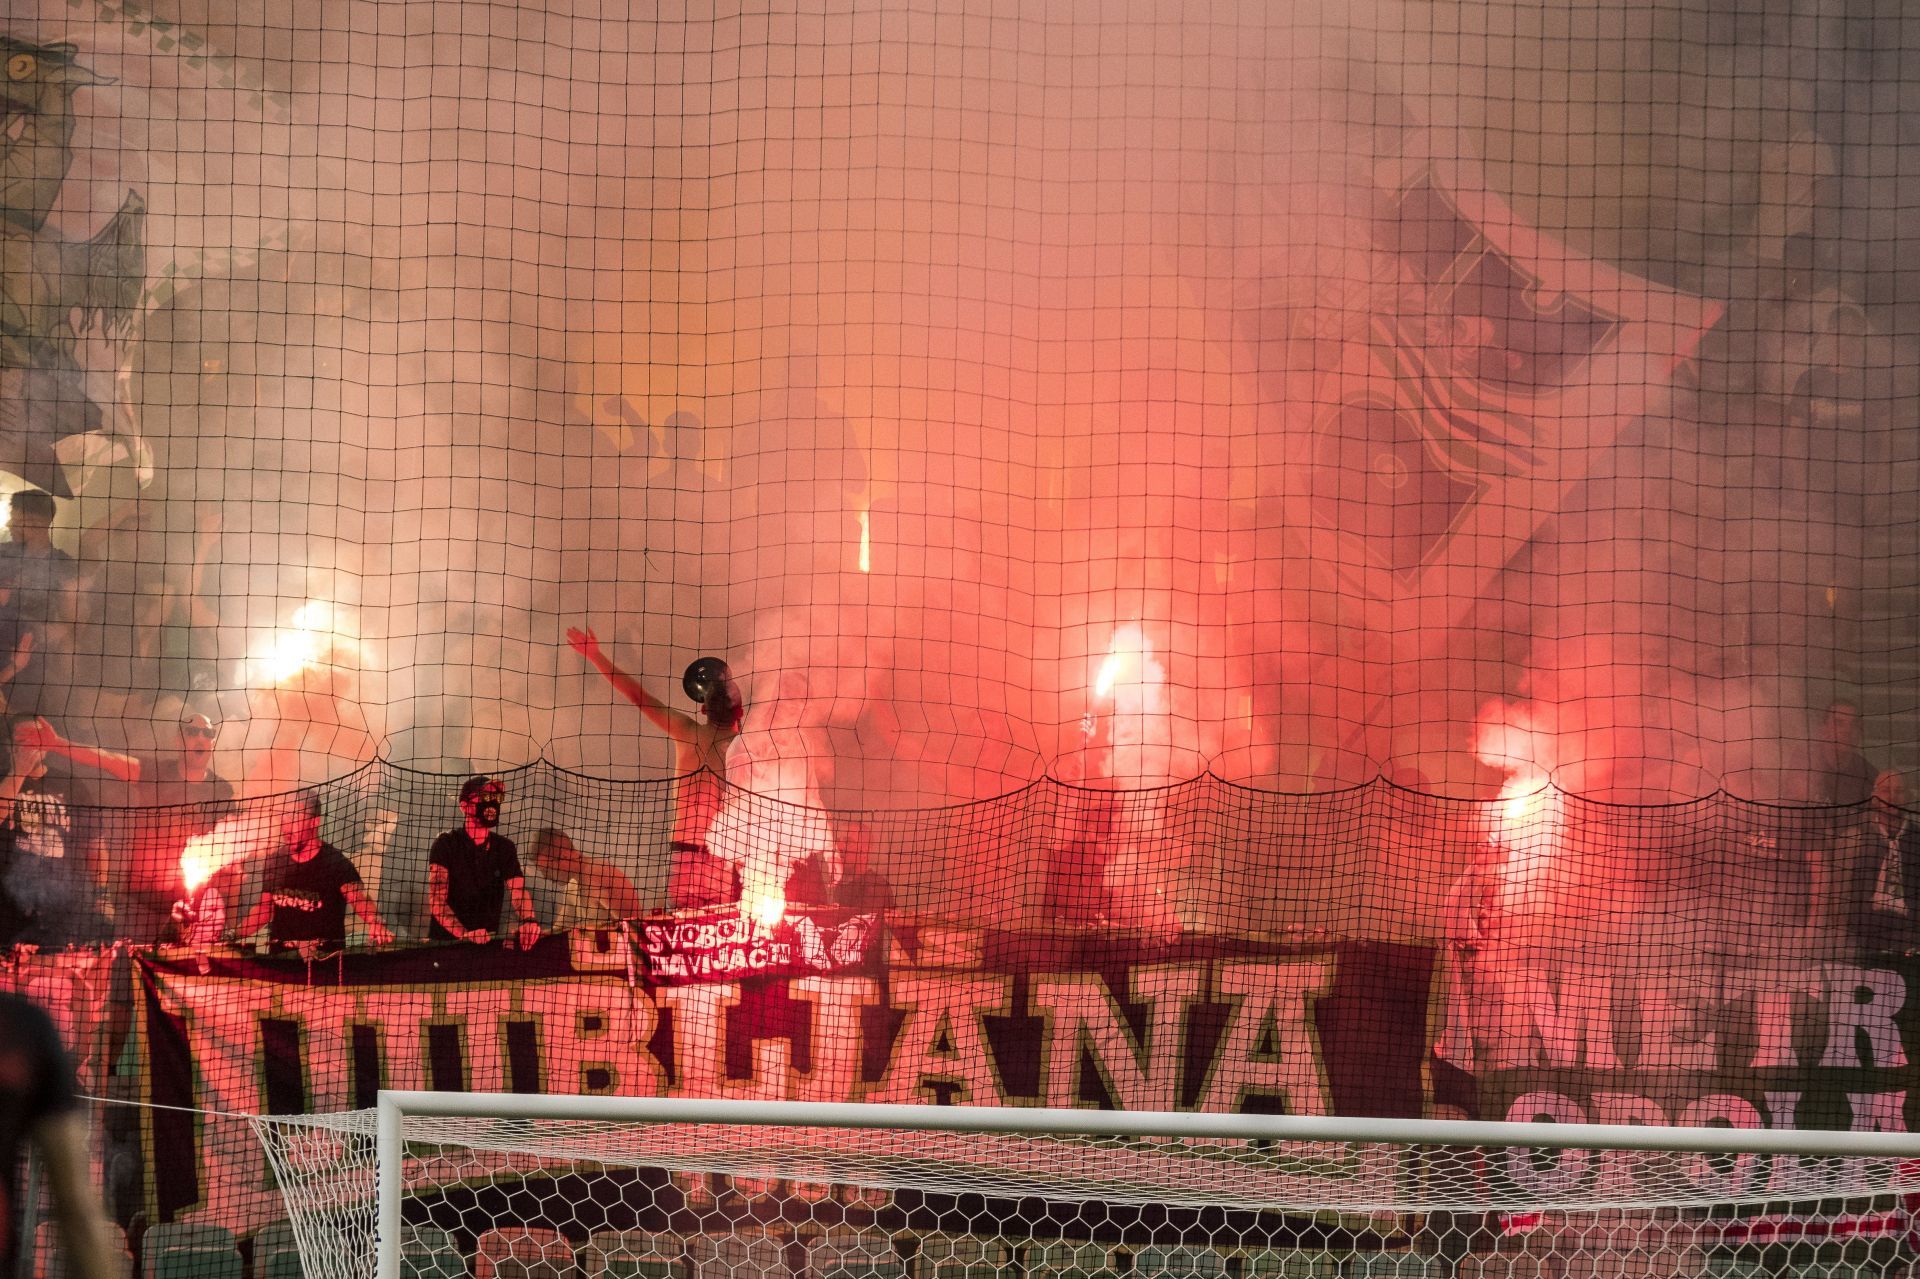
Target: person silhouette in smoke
1894	837
697	877
583	890
1842	774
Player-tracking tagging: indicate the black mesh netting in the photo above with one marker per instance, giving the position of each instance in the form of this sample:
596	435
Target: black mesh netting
1353	558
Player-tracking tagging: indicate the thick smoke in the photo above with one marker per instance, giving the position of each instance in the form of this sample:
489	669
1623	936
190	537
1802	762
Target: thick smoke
552	315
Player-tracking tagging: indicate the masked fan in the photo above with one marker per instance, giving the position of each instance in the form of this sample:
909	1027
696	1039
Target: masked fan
473	870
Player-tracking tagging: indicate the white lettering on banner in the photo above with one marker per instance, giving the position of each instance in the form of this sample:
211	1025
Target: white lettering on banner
1549	1173
942	1042
724	944
1271	1046
1083	1016
1781	997
1878	1111
1721	1175
1861	1005
1543	1172
1783	1111
837	1039
593	1036
598	1046
700	1036
1576	1016
1615	1174
1574	1019
1676	1025
396	1016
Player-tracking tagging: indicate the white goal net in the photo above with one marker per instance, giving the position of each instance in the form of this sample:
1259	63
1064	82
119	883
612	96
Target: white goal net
545	1188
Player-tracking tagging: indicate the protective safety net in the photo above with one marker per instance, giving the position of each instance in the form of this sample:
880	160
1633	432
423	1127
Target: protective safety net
714	1198
1304	392
1347	558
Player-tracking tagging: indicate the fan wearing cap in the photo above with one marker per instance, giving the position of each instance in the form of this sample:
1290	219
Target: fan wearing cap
697	877
474	869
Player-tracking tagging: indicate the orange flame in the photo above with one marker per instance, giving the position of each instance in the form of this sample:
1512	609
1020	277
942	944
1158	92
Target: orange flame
866	543
765	909
233	840
1128	649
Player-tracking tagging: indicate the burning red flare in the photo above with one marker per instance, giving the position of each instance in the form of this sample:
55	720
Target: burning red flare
1128	651
765	909
234	840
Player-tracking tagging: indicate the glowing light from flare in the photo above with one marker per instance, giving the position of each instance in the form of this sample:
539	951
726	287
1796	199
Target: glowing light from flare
765	909
1527	819
1521	799
1128	651
866	542
198	862
302	644
235	839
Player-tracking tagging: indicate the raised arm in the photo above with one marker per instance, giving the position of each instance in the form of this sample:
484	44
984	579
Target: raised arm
17	660
27	758
681	726
616	890
113	763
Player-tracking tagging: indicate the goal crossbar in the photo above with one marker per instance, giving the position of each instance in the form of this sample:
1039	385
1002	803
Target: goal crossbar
395	1106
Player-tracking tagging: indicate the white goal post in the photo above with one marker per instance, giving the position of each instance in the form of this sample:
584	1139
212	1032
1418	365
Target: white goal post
535	1187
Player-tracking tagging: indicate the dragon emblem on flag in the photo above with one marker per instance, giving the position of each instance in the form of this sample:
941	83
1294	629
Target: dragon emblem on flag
1475	389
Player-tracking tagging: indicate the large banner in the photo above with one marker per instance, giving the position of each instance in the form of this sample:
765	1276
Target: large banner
969	1018
1021	1019
1809	1044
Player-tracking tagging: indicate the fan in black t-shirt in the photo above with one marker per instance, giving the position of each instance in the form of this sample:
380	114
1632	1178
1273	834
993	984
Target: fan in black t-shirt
473	870
309	885
37	1103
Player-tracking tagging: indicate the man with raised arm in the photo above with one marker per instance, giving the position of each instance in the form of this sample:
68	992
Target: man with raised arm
696	876
50	864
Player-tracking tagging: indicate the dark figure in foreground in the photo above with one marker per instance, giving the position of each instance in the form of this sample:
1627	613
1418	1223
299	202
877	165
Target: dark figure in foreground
38	1105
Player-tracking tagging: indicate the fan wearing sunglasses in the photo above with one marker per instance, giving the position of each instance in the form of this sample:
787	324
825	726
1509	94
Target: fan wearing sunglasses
184	797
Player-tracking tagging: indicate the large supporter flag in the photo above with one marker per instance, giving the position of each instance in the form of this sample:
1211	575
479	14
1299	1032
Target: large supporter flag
1486	381
1440	388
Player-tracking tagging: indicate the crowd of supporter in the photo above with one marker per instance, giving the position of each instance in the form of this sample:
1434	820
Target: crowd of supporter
93	840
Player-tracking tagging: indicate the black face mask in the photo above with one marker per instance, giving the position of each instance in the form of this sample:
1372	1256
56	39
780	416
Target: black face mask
487	813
